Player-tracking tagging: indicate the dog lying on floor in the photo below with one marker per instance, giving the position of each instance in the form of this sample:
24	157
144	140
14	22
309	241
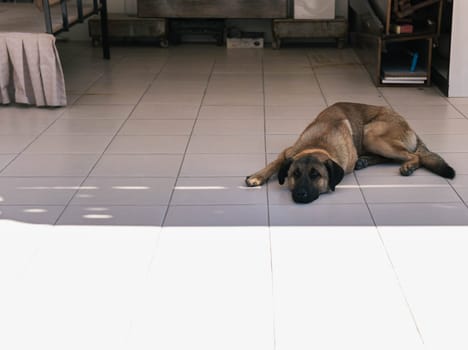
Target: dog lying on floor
346	137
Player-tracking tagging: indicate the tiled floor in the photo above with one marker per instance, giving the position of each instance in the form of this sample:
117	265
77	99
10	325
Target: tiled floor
126	223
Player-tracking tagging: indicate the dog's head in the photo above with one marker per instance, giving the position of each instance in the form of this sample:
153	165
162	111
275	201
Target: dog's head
308	177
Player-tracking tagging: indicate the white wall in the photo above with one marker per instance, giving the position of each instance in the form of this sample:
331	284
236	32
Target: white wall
458	75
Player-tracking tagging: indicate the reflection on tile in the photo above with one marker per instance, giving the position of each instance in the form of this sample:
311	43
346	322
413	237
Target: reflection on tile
38	190
124	191
403	189
216	191
31	214
113	215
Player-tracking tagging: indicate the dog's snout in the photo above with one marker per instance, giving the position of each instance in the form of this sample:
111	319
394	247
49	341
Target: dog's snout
302	195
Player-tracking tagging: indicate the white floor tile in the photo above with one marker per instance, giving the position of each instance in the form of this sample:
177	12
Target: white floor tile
139	165
69	144
200	165
165	111
217	215
409	214
287	127
157	127
125	144
334	288
231	112
212	286
174	98
225	144
432	267
97	112
25	124
51	165
460	184
85	127
229	127
5	159
444	143
317	214
293	112
428	112
15	143
440	126
111	99
78	288
241	99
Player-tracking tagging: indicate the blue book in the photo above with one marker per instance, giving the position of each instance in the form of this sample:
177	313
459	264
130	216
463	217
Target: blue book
414	61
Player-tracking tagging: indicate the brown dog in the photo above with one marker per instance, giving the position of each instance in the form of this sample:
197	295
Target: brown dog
345	137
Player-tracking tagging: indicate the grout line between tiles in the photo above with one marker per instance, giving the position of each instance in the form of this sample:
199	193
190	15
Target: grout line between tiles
389	259
270	243
317	79
107	147
184	155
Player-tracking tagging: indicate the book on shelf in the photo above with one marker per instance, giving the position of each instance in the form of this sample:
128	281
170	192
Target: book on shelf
404	80
398	71
405	28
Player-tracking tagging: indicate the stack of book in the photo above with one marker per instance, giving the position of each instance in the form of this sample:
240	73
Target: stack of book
395	73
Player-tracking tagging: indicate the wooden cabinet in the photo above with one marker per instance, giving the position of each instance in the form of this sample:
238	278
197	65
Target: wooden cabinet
213	9
395	39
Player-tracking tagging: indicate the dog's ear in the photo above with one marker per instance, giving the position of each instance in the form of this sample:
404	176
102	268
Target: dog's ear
283	171
335	173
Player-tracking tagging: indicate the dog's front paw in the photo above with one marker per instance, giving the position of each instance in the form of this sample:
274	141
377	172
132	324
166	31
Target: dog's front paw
361	163
253	180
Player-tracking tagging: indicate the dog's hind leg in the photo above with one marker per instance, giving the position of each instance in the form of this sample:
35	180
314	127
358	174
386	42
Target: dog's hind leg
395	150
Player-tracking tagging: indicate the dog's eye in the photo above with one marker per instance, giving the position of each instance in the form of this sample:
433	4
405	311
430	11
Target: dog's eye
314	174
297	173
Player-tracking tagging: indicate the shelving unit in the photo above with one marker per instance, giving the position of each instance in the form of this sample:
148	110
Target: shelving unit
394	58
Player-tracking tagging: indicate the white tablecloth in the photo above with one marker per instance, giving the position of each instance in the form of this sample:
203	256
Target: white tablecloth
30	70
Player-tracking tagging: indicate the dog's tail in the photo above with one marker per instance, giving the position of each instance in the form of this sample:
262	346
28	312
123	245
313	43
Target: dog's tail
433	162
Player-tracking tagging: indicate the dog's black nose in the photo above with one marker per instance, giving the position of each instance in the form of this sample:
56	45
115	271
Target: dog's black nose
301	196
301	193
